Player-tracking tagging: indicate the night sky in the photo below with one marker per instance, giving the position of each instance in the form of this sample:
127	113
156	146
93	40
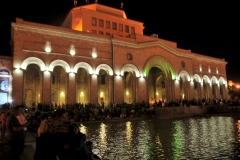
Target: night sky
211	29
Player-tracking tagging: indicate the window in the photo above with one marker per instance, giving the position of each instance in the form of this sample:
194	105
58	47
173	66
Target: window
114	25
108	24
108	34
127	29
94	31
94	21
132	30
101	23
120	27
100	32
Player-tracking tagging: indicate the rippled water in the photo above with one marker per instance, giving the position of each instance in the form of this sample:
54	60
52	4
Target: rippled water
209	137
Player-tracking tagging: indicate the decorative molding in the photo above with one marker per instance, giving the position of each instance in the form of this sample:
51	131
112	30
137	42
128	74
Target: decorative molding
71	35
55	32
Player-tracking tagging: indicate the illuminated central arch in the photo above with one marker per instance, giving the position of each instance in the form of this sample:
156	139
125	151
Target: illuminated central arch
160	62
83	65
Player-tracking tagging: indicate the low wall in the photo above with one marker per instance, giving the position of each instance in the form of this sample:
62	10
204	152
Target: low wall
176	112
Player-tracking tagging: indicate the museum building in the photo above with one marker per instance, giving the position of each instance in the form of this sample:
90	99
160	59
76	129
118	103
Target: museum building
98	55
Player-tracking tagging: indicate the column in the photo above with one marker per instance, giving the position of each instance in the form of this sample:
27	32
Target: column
46	87
17	85
94	89
118	89
142	90
71	89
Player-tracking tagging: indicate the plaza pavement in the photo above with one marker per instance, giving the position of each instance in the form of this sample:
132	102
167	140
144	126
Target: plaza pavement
28	152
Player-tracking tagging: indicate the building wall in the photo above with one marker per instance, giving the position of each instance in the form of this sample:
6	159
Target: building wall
115	55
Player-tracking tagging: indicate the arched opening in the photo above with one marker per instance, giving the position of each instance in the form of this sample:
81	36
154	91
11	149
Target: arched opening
4	86
129	88
82	86
214	88
222	89
32	94
156	85
58	88
103	88
197	88
206	88
184	87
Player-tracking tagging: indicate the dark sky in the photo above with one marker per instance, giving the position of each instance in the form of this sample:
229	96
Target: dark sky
211	29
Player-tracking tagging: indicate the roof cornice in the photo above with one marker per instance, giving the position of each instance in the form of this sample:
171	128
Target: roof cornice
78	35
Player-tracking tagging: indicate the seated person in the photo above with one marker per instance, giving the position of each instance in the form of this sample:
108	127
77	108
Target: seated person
92	156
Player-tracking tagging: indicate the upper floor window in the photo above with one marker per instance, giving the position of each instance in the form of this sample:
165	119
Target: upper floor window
120	27
114	25
108	24
126	29
132	30
108	34
94	31
94	21
100	32
101	23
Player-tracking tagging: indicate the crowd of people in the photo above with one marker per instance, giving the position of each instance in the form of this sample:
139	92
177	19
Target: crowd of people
58	135
56	138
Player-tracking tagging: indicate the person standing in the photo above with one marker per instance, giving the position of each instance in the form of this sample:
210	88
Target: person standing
3	120
22	120
16	133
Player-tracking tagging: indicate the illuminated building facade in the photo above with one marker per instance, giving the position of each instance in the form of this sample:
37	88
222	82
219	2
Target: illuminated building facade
98	55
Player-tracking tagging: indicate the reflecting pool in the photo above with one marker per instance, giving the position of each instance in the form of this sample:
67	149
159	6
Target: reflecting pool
208	137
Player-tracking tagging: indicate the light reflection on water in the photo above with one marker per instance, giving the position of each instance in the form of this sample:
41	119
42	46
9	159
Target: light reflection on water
212	137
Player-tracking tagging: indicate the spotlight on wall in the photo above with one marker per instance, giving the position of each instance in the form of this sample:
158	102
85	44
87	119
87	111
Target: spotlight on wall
72	49
48	46
94	53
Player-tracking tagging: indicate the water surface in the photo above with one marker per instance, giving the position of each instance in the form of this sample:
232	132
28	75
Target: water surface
208	137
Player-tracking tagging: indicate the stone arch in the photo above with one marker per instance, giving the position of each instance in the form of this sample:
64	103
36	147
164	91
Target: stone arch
130	68
83	65
184	73
105	67
184	77
206	87
197	77
161	62
214	79
33	60
205	77
58	62
221	79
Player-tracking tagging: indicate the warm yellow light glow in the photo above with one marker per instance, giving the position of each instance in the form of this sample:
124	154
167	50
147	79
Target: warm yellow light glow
72	49
94	53
127	93
157	93
82	94
62	93
238	86
48	46
101	94
200	68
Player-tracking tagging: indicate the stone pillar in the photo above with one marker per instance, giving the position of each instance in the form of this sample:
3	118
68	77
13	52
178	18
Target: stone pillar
210	91
176	84
191	90
142	94
94	89
17	85
202	91
46	87
118	89
71	89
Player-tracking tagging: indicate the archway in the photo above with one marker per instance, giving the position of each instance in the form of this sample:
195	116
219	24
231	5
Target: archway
103	88
4	86
156	85
129	87
197	86
82	86
206	87
32	87
58	89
